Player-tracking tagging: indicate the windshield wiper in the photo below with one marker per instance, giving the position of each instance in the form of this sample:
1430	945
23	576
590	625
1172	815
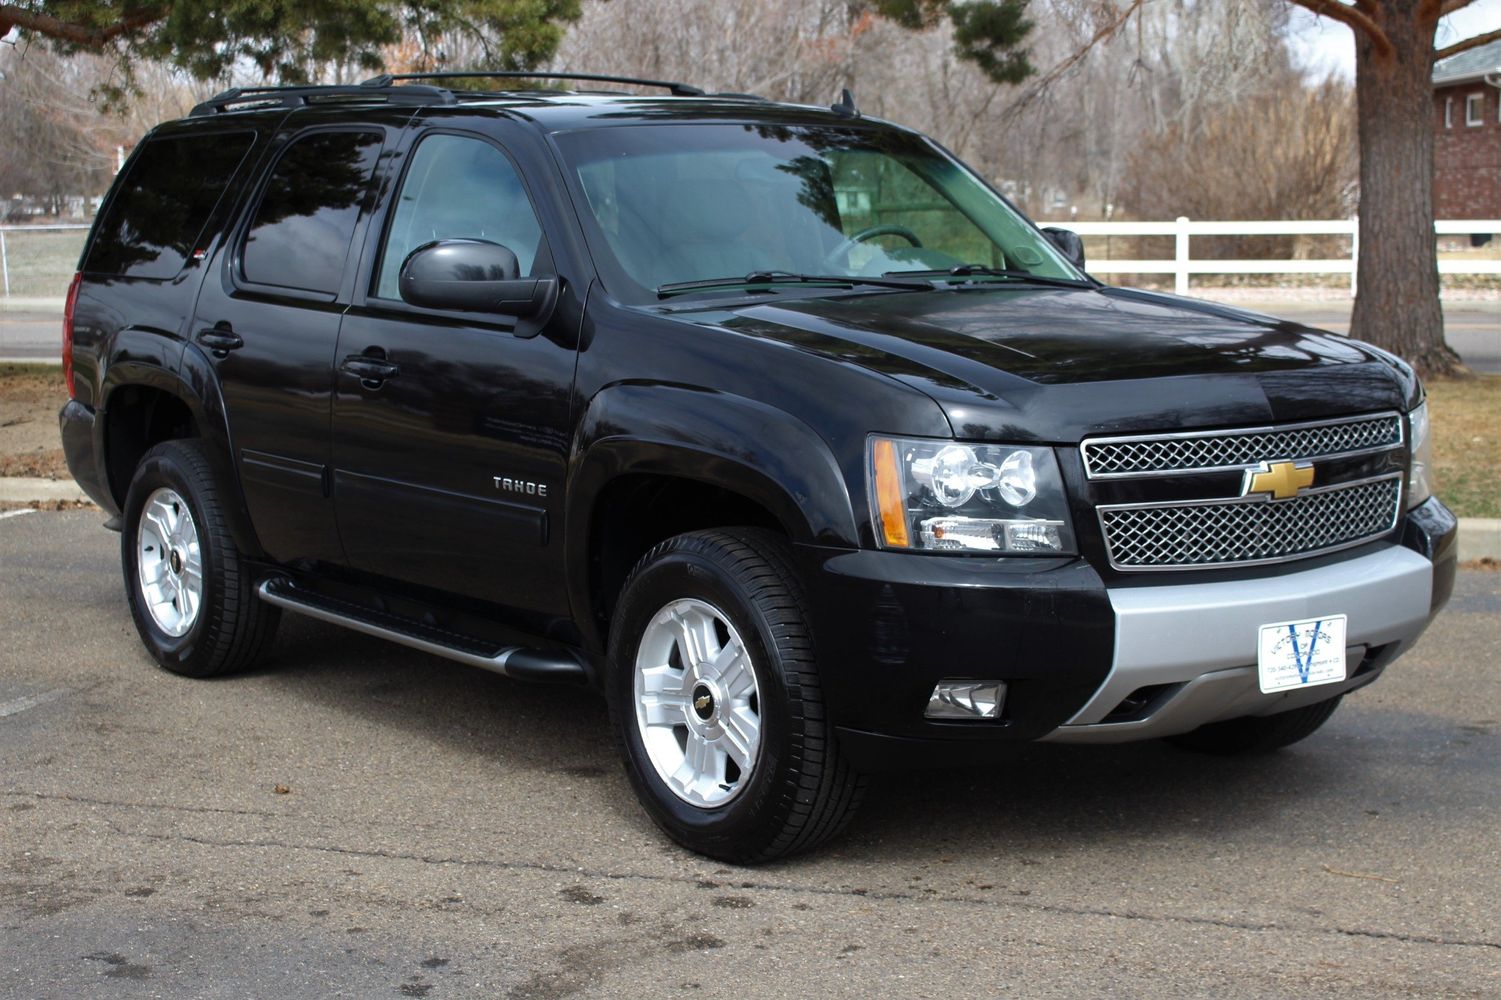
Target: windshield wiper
982	271
789	278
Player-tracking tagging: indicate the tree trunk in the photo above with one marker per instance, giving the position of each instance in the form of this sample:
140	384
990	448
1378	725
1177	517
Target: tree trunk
1397	300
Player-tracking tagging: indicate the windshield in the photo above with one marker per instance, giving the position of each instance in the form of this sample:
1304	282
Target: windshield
682	203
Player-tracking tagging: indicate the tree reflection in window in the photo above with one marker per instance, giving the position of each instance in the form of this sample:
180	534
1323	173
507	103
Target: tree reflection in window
157	215
301	231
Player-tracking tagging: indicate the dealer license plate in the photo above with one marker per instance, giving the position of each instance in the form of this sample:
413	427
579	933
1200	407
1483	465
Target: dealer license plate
1302	654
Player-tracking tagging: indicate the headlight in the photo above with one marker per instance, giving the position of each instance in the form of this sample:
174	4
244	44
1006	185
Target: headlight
943	496
1420	471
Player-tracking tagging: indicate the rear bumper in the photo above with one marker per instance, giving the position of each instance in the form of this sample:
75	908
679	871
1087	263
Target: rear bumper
78	429
1072	650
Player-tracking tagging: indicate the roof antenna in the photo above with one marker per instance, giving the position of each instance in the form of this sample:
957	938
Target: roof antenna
846	106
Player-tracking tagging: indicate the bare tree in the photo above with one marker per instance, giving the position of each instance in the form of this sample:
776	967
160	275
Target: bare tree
61	144
1397	305
1287	152
64	137
791	50
1398	302
1118	75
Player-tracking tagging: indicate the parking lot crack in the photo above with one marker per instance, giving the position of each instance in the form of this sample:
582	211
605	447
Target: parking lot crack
155	806
850	892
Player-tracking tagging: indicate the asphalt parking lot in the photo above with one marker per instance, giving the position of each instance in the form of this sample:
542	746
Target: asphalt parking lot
446	832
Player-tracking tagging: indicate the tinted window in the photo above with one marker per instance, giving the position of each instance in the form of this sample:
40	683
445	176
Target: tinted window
163	202
459	187
302	227
679	203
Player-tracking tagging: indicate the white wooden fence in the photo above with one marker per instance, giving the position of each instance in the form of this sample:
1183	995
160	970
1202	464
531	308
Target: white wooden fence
1183	264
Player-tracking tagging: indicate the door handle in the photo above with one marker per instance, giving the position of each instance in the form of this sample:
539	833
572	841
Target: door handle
371	371
221	340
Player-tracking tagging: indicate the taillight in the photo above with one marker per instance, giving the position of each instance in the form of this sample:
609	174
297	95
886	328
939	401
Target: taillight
68	333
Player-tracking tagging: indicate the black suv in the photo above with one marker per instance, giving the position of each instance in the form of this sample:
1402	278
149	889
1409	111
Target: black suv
775	424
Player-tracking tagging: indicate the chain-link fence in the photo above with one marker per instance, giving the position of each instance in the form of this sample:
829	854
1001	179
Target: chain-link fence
39	261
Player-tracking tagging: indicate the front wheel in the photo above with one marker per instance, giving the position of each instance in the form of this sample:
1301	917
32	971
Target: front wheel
715	700
190	590
1255	734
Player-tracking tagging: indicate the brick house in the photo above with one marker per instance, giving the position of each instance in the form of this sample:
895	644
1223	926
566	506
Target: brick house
1467	153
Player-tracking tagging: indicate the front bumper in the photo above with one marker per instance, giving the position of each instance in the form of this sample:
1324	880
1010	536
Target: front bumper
1190	650
1089	662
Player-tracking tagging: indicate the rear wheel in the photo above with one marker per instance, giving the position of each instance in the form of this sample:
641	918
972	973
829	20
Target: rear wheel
715	700
1258	733
190	591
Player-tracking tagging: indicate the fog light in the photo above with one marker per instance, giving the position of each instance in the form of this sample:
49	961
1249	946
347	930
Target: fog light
966	700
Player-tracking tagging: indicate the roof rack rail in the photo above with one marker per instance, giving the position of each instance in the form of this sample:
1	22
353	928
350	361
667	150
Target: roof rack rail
674	88
301	95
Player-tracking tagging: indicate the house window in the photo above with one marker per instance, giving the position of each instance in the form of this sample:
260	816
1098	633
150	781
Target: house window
1474	108
1448	112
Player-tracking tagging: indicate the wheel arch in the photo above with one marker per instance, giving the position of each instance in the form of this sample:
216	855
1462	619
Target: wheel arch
142	405
654	461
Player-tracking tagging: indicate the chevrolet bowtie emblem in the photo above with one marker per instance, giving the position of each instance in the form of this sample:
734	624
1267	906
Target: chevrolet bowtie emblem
1283	480
702	703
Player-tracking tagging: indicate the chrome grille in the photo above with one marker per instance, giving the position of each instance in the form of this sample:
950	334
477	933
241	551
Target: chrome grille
1159	454
1187	535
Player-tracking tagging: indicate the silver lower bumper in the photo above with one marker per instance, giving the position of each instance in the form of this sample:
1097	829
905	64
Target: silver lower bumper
1203	637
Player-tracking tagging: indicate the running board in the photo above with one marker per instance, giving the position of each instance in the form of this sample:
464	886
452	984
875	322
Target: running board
519	662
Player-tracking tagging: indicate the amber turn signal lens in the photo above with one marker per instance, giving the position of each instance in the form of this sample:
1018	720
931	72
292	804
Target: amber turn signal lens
889	494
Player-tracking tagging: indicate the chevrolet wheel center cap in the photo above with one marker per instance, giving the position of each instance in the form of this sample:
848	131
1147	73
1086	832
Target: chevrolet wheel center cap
703	703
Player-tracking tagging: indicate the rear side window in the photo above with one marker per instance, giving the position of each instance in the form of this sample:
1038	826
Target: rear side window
162	204
301	230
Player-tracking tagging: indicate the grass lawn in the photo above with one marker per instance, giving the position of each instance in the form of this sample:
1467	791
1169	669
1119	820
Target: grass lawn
14	372
30	396
40	264
1466	417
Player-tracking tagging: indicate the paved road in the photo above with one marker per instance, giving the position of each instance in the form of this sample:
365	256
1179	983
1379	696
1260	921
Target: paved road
449	833
1473	329
30	334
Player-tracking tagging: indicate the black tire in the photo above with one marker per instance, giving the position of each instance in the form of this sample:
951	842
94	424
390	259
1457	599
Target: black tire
800	792
1255	734
233	627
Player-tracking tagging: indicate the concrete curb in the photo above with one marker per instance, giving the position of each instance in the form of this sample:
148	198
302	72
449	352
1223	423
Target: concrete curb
1479	538
16	303
18	489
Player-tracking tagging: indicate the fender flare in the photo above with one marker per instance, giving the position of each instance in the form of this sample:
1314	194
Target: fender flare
197	387
714	438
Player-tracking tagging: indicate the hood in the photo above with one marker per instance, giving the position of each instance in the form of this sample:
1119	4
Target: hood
1056	364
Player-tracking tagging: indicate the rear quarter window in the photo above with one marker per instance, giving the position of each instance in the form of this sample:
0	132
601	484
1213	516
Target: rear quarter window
163	202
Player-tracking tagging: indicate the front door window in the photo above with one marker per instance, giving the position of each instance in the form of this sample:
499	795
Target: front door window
459	188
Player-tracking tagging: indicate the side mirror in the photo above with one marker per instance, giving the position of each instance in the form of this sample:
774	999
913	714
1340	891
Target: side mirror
473	276
1068	243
